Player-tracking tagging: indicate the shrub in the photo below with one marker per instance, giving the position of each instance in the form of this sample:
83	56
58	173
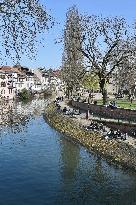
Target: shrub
24	94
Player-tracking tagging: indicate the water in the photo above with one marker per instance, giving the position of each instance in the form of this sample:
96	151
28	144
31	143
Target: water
39	166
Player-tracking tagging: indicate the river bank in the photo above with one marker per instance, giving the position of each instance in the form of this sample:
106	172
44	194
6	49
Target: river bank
42	166
115	151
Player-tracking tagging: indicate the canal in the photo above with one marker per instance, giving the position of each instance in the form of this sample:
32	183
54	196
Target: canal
40	166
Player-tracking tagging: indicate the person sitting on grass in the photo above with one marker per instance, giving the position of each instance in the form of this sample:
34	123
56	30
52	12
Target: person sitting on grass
112	105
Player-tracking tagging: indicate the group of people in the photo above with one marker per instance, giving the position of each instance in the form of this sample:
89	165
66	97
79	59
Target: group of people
72	112
65	110
95	126
108	134
60	98
116	135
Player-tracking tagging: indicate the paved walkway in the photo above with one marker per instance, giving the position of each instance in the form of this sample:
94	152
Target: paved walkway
83	121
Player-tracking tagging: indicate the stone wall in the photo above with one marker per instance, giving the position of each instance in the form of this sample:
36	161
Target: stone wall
115	151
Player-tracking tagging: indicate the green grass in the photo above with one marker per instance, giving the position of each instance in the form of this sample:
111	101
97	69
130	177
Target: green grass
122	103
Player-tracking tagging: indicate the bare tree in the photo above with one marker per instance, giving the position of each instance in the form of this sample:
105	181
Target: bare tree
72	60
21	21
126	75
105	45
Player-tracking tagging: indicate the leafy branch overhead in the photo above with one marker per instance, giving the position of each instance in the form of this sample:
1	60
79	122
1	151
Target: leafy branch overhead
106	43
90	81
21	21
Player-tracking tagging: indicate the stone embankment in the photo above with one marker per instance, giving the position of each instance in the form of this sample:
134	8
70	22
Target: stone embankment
114	151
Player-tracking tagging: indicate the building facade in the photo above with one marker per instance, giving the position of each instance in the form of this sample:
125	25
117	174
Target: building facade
14	79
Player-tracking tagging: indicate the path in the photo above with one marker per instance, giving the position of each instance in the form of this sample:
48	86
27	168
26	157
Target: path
81	119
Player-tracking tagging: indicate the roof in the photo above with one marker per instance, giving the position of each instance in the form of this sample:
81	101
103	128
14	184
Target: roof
21	68
6	68
9	69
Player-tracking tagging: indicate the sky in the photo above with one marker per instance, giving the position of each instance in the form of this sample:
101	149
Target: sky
50	56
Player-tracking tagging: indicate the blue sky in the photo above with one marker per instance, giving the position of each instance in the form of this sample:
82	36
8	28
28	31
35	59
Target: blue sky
50	56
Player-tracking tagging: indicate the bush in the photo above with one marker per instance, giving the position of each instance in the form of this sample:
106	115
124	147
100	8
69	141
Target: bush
24	94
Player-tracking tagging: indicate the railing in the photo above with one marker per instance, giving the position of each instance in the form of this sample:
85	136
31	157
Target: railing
107	112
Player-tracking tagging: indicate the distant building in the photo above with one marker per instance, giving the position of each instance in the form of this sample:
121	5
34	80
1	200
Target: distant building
14	79
112	86
8	79
42	77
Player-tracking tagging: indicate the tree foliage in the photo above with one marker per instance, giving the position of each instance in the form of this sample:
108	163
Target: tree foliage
21	21
105	45
126	76
72	60
24	95
90	81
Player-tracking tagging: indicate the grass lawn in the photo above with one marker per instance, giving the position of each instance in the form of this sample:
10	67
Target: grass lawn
122	103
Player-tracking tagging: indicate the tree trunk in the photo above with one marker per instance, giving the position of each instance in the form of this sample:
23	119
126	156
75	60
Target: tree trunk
71	91
103	90
104	95
68	93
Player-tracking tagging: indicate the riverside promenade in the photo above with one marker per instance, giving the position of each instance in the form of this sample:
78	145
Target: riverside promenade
81	119
115	151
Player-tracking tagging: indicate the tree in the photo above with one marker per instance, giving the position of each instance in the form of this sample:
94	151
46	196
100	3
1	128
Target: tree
90	81
105	45
72	60
126	73
126	76
21	21
24	95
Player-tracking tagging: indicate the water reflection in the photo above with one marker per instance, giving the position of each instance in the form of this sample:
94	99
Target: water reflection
87	179
70	155
40	166
15	118
16	115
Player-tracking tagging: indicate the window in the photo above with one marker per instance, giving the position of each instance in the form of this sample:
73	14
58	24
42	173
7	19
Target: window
2	76
3	84
10	91
2	92
20	79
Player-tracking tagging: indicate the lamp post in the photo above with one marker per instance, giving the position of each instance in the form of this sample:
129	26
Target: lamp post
135	90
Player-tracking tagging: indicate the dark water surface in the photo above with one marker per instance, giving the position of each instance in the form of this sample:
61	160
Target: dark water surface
39	166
